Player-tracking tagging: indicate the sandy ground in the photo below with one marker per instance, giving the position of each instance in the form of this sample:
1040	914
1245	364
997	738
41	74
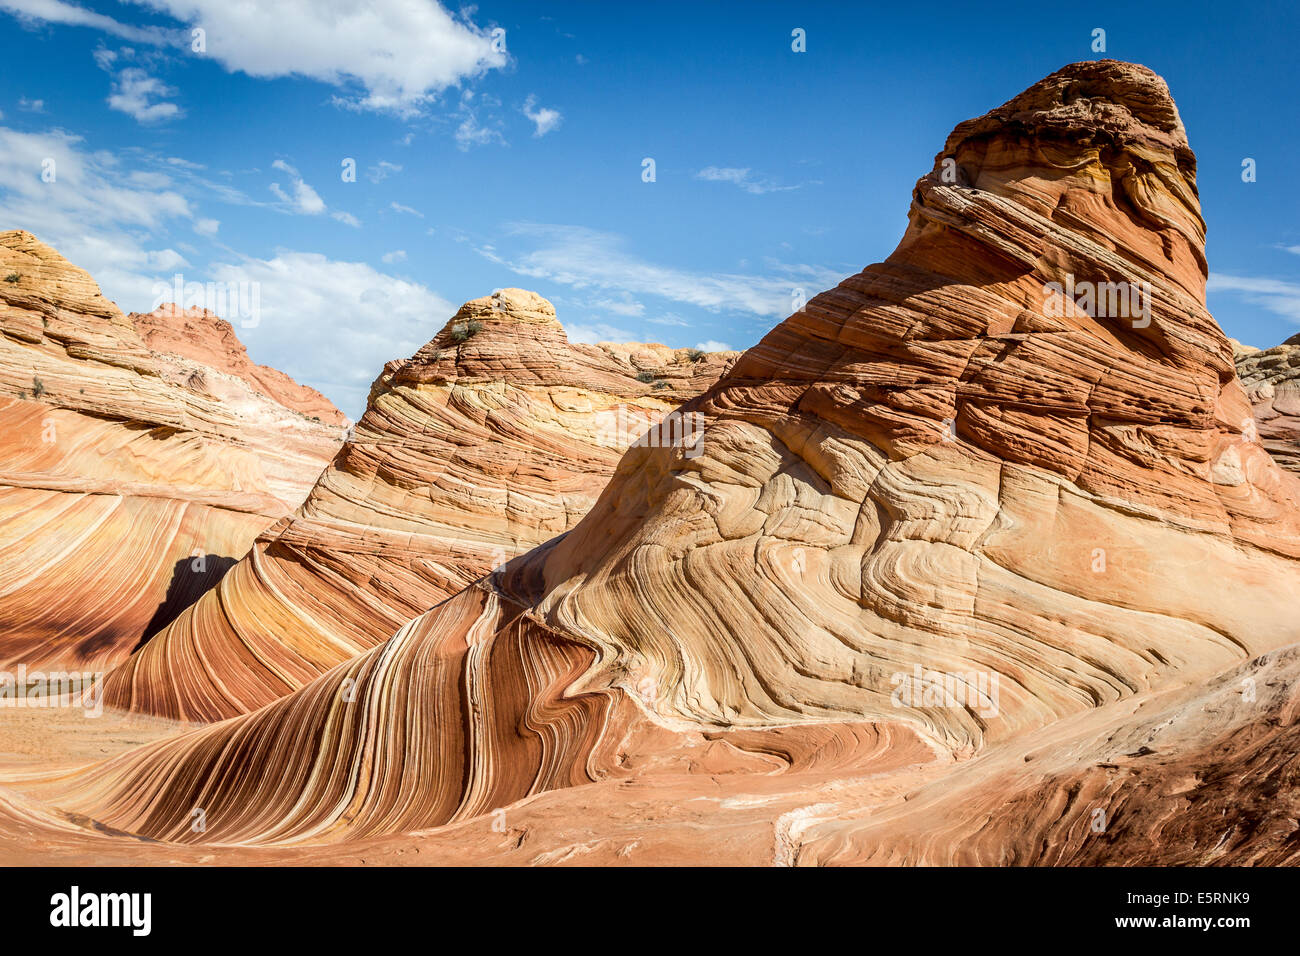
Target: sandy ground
1195	774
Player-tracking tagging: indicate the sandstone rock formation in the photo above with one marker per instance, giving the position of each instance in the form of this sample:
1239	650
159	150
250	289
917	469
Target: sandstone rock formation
948	537
1271	378
200	336
130	479
496	436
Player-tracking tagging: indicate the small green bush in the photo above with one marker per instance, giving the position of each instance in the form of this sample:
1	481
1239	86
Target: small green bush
465	330
13	277
645	377
695	355
38	387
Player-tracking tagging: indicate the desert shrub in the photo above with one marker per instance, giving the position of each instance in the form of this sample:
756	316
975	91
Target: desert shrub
38	387
695	354
13	277
465	330
645	377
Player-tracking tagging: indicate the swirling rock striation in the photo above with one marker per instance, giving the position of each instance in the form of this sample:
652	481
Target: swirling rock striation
494	437
130	478
951	504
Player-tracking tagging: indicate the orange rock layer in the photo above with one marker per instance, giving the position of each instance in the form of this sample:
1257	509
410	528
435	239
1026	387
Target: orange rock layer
203	337
130	479
496	436
955	552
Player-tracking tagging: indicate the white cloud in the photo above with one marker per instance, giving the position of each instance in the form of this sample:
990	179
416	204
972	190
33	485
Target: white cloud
389	55
397	255
470	133
398	207
1275	295
712	345
378	173
97	214
31	106
346	218
305	200
591	333
587	259
56	11
372	318
206	227
619	306
742	178
141	97
544	118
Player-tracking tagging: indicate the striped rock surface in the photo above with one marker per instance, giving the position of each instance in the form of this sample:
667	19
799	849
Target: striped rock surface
937	469
1271	378
496	436
129	479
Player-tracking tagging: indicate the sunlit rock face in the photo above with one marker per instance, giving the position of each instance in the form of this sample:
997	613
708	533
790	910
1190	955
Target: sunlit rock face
496	436
942	464
203	337
948	544
1271	378
130	479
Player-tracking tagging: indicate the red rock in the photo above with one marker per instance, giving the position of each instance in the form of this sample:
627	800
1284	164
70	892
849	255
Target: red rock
933	470
129	479
493	438
206	338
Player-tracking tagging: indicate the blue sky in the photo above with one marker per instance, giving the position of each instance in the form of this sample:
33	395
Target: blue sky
485	163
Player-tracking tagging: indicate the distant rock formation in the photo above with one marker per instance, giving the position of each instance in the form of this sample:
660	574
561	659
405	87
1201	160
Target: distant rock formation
1271	378
200	336
129	479
493	438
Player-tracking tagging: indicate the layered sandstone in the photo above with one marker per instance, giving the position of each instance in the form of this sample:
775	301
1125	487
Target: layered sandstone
1271	378
1056	516
205	338
496	436
131	479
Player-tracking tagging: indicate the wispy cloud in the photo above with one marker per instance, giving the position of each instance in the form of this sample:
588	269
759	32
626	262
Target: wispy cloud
544	118
1274	295
304	200
588	259
471	133
743	178
386	317
593	332
407	210
69	14
143	97
382	170
101	214
386	55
